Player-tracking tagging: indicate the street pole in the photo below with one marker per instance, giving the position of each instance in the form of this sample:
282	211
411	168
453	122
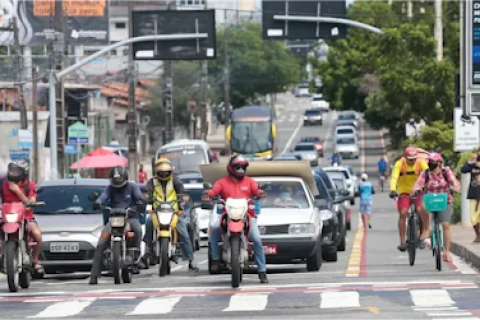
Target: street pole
60	94
19	76
35	124
168	92
204	104
226	83
132	112
439	29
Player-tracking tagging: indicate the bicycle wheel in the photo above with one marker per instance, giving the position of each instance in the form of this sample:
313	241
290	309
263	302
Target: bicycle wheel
438	250
412	239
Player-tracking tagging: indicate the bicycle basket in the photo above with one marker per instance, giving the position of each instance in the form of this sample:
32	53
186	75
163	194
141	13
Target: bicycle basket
435	202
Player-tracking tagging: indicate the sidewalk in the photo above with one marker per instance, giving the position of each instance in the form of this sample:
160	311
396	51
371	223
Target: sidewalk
462	246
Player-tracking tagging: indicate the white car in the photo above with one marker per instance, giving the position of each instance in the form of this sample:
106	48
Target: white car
291	231
202	216
347	146
319	103
302	90
341	131
352	180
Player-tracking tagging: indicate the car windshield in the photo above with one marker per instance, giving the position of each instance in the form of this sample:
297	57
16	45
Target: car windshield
313	113
344	172
322	189
303	86
195	195
305	147
286	194
349	116
250	137
311	139
186	158
345	131
67	199
318	99
346	141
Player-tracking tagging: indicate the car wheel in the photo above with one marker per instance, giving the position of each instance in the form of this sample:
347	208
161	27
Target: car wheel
197	244
343	242
349	226
352	202
331	256
314	262
305	124
321	123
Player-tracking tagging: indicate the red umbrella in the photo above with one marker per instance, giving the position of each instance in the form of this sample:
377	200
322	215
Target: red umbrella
99	158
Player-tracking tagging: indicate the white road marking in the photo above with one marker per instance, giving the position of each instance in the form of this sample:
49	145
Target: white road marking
294	134
449	314
155	306
346	299
247	302
65	308
469	318
462	266
431	298
435	308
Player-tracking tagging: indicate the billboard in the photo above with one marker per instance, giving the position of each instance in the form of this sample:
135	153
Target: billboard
289	30
475	25
169	22
85	22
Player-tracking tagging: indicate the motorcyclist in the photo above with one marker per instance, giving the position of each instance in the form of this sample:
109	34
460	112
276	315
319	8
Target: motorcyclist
335	159
237	185
17	188
166	183
122	195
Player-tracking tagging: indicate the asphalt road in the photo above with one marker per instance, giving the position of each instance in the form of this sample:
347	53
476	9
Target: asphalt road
370	280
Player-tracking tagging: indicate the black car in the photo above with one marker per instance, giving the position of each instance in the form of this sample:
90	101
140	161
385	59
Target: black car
313	116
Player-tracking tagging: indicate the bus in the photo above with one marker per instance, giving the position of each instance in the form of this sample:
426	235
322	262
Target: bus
252	132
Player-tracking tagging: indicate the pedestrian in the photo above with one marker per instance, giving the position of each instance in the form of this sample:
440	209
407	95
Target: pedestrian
142	175
366	191
473	167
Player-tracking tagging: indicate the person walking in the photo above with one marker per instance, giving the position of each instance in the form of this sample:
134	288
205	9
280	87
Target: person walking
473	167
366	191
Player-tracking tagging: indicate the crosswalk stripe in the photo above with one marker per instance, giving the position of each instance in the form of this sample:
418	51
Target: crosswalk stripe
431	298
346	299
162	305
469	318
449	314
65	308
247	302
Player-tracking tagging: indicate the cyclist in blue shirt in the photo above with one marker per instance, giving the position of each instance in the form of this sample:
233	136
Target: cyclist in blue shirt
366	191
382	171
335	159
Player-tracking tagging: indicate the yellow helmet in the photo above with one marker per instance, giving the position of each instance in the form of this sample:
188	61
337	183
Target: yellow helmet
163	168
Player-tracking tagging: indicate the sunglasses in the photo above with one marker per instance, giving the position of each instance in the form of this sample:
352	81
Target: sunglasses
164	174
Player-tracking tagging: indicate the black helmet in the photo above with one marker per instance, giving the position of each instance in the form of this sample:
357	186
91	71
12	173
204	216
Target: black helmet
17	171
118	177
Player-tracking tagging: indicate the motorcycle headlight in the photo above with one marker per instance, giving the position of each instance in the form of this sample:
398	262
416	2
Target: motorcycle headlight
301	228
204	216
165	218
11	217
236	213
165	206
117	222
326	214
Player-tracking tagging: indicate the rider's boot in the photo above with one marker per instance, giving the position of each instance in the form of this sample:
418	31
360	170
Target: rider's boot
192	266
93	280
215	267
263	277
136	270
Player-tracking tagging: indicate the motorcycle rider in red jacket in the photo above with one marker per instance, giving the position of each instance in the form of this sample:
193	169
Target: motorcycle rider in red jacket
237	185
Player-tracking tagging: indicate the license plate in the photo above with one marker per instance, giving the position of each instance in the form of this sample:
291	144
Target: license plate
64	247
270	250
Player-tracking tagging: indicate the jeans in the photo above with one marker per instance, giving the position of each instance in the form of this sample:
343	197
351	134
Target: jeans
103	244
186	245
258	250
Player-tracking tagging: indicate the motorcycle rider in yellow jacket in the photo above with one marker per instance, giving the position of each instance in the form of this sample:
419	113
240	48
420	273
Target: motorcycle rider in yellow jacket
165	186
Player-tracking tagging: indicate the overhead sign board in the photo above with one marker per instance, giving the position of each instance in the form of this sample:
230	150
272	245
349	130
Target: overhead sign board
274	28
473	24
71	148
467	133
78	133
171	22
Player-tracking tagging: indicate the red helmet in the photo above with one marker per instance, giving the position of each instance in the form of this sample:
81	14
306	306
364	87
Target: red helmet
237	166
410	153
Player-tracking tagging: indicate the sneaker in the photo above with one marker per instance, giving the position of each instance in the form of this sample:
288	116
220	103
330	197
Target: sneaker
369	226
215	267
421	244
193	267
136	270
402	247
263	277
93	280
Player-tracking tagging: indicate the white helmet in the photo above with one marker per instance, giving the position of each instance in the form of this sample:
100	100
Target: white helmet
364	177
335	164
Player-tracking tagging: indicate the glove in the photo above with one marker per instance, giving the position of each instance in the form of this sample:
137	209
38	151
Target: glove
417	192
393	194
96	206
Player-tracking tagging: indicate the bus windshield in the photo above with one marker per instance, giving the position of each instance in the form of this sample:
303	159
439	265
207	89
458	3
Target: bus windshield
250	137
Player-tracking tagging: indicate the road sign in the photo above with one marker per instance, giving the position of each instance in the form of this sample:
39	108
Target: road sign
171	22
19	154
71	148
467	133
274	29
78	133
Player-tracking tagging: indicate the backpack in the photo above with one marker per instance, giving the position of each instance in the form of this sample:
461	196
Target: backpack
26	187
403	170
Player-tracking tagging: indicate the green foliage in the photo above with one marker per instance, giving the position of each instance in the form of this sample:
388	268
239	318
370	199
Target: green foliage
257	67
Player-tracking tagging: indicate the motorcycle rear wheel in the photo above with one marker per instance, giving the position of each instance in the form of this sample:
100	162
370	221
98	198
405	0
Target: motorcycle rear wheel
11	265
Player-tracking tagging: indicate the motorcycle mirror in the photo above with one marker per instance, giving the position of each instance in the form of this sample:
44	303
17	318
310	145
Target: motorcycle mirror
93	196
207	186
38	189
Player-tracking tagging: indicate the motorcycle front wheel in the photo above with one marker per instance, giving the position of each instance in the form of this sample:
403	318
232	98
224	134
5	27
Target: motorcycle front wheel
164	260
116	261
235	261
11	265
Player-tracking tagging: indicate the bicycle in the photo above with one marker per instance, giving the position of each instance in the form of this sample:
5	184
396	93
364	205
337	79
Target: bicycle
435	203
382	181
413	229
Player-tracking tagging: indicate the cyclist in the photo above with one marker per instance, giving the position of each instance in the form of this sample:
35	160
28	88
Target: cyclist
439	179
382	171
336	159
404	175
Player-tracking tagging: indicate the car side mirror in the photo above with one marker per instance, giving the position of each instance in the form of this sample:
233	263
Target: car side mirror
207	186
93	196
344	193
207	206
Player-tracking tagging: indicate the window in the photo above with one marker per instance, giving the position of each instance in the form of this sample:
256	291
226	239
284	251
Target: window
67	200
345	131
346	141
305	147
284	194
120	25
313	113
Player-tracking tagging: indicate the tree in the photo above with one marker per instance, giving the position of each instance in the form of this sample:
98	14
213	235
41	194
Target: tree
257	67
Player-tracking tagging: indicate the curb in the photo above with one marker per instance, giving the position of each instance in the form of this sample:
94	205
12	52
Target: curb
466	254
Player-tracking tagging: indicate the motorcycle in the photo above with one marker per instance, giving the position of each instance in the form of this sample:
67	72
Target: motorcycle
18	245
166	244
237	252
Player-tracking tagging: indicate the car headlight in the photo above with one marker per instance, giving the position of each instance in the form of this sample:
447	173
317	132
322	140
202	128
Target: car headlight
305	118
11	217
301	228
326	214
235	213
117	222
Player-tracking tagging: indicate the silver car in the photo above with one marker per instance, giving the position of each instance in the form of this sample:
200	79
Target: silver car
70	228
307	151
347	146
351	180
